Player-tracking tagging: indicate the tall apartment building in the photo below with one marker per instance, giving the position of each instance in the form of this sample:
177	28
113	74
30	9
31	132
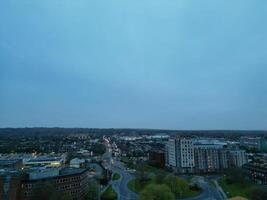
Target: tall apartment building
206	160
201	156
238	158
210	158
224	159
179	154
171	153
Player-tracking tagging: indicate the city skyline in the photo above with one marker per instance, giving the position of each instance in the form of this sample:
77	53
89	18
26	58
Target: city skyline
134	64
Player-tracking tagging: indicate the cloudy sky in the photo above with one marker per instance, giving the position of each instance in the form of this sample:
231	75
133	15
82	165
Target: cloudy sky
175	64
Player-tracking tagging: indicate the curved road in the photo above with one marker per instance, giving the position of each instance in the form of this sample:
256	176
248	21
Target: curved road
120	186
210	192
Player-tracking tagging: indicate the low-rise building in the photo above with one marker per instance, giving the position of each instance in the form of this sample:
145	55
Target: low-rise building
77	163
44	161
259	143
256	172
156	158
72	182
11	163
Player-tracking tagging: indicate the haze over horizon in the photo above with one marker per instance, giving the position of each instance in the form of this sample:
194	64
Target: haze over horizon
134	64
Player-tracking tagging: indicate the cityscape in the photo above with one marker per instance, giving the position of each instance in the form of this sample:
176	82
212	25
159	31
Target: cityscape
83	164
133	100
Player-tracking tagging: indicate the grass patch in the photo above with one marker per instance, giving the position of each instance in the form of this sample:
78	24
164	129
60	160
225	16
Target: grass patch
109	194
155	170
125	159
137	186
116	176
191	193
237	189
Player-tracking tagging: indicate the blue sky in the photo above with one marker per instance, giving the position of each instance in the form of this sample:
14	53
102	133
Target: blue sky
134	64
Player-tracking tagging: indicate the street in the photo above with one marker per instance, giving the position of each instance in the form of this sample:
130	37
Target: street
210	192
120	186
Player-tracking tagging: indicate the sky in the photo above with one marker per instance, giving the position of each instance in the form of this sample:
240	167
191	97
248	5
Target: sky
176	64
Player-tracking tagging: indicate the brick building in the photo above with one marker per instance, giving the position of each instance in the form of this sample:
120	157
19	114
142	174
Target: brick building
156	158
22	186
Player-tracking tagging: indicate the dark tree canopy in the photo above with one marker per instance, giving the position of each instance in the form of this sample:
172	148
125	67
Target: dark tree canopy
156	192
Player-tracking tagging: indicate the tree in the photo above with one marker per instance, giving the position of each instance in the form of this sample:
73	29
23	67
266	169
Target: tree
105	177
159	177
109	194
183	185
92	192
65	196
236	175
177	185
46	191
156	192
141	174
98	149
194	187
103	180
259	194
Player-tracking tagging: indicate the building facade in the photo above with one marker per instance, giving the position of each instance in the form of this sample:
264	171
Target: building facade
180	154
11	163
238	158
201	156
258	143
257	172
170	153
67	181
156	158
10	184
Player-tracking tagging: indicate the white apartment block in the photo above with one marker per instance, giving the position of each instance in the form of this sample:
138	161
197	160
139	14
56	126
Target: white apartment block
171	160
180	153
186	153
238	158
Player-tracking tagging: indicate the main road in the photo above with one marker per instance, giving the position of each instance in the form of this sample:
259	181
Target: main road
120	186
210	192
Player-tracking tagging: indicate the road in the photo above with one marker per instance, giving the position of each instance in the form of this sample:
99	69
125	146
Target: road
210	192
120	186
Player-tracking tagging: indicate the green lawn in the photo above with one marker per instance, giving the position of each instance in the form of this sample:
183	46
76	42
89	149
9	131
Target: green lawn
155	170
191	193
137	186
116	176
109	194
237	189
125	159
